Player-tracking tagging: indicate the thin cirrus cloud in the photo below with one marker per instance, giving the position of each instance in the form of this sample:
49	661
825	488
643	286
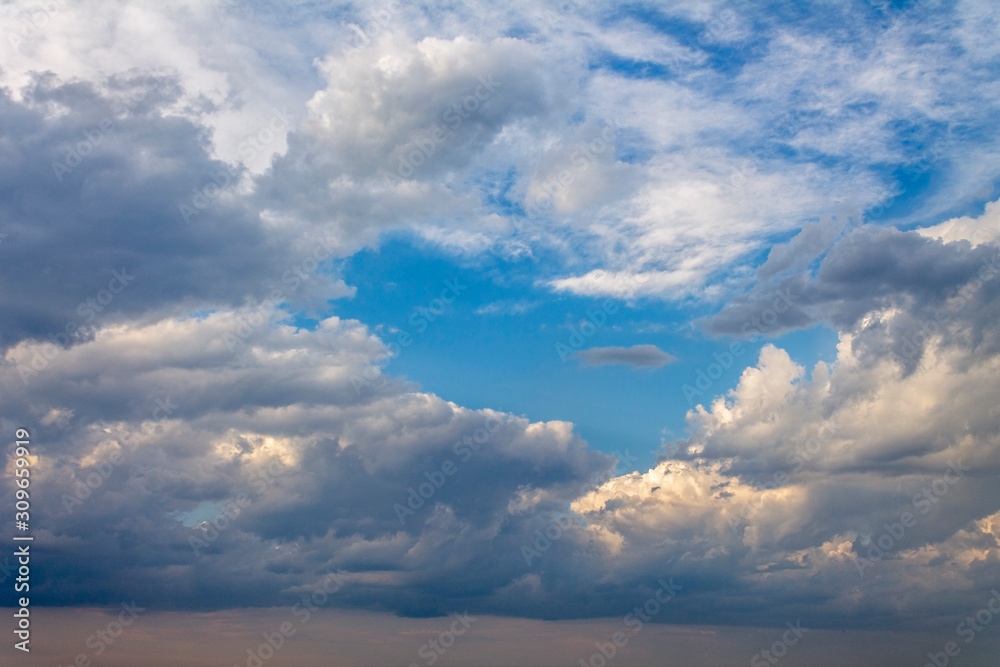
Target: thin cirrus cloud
637	356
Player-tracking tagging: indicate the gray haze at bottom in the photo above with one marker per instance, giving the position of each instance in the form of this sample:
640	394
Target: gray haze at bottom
332	638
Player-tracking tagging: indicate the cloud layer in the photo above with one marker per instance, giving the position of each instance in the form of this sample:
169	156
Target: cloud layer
784	492
181	190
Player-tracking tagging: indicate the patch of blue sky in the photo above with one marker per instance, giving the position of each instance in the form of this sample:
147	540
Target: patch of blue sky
495	188
852	23
202	313
915	183
301	320
495	346
524	32
631	68
973	207
632	146
205	511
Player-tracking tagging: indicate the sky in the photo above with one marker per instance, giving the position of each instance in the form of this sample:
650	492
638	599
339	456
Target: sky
529	333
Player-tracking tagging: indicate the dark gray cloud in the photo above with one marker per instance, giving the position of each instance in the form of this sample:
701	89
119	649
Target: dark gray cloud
328	472
639	356
183	426
811	241
947	289
97	189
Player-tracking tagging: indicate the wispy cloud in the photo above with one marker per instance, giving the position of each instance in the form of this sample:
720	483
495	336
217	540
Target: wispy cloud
519	307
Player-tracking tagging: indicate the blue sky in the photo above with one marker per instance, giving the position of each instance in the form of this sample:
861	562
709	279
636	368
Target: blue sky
496	346
520	310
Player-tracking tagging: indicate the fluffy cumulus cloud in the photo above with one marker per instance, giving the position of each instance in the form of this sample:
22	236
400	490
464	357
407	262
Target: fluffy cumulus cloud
400	128
863	487
321	463
872	478
858	480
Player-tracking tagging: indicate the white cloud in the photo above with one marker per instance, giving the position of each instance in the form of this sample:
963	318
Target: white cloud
981	229
788	480
230	84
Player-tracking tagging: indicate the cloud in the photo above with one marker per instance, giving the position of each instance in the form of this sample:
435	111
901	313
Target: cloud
780	489
519	307
903	287
190	388
790	479
341	467
637	356
101	190
403	109
710	160
227	83
724	159
976	230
